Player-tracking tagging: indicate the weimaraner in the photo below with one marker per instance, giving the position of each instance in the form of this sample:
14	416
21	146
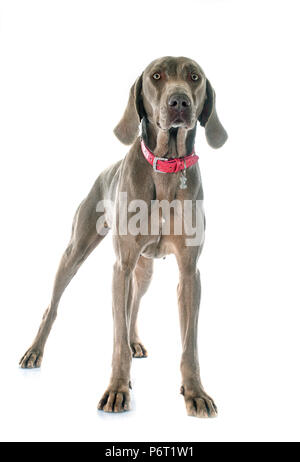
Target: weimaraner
168	99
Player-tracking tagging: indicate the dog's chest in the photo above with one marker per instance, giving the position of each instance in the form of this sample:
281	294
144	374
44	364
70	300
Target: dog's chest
175	225
176	217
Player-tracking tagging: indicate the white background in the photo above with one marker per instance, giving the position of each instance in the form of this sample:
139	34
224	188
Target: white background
65	72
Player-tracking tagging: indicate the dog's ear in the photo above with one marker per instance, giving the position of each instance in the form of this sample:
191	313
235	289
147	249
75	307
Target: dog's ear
214	131
128	127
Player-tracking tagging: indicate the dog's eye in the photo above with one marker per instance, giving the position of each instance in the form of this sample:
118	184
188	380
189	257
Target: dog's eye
156	76
195	77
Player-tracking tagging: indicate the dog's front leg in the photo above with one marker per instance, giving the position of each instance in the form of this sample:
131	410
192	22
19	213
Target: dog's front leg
198	403
116	398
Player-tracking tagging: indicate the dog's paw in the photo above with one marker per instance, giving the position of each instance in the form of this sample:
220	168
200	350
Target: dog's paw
138	350
115	401
31	359
199	404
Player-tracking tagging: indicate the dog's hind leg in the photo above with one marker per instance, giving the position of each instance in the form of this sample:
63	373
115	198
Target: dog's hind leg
141	279
85	237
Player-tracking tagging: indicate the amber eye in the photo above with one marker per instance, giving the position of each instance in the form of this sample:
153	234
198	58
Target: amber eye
195	77
156	76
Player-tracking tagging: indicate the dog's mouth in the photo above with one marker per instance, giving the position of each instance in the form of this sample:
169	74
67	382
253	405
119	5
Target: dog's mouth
179	121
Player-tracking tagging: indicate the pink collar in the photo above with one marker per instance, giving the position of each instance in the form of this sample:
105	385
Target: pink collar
163	165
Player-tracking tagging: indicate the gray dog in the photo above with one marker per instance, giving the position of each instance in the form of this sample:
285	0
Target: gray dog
170	96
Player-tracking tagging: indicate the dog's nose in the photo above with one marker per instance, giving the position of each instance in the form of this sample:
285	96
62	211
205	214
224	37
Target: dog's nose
179	101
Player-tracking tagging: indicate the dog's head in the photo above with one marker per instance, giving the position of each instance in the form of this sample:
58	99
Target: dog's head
172	92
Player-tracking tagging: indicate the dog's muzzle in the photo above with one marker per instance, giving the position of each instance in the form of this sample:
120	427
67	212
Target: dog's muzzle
179	109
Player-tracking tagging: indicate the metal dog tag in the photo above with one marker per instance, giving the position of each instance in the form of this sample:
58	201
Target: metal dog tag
183	179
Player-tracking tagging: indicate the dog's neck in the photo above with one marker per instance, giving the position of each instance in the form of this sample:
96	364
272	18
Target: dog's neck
176	142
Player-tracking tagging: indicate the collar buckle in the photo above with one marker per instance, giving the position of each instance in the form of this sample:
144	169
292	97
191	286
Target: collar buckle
155	164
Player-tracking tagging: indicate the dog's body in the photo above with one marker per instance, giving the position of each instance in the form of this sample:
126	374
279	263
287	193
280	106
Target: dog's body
169	98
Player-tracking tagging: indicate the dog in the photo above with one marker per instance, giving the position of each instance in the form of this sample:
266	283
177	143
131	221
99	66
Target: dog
166	100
